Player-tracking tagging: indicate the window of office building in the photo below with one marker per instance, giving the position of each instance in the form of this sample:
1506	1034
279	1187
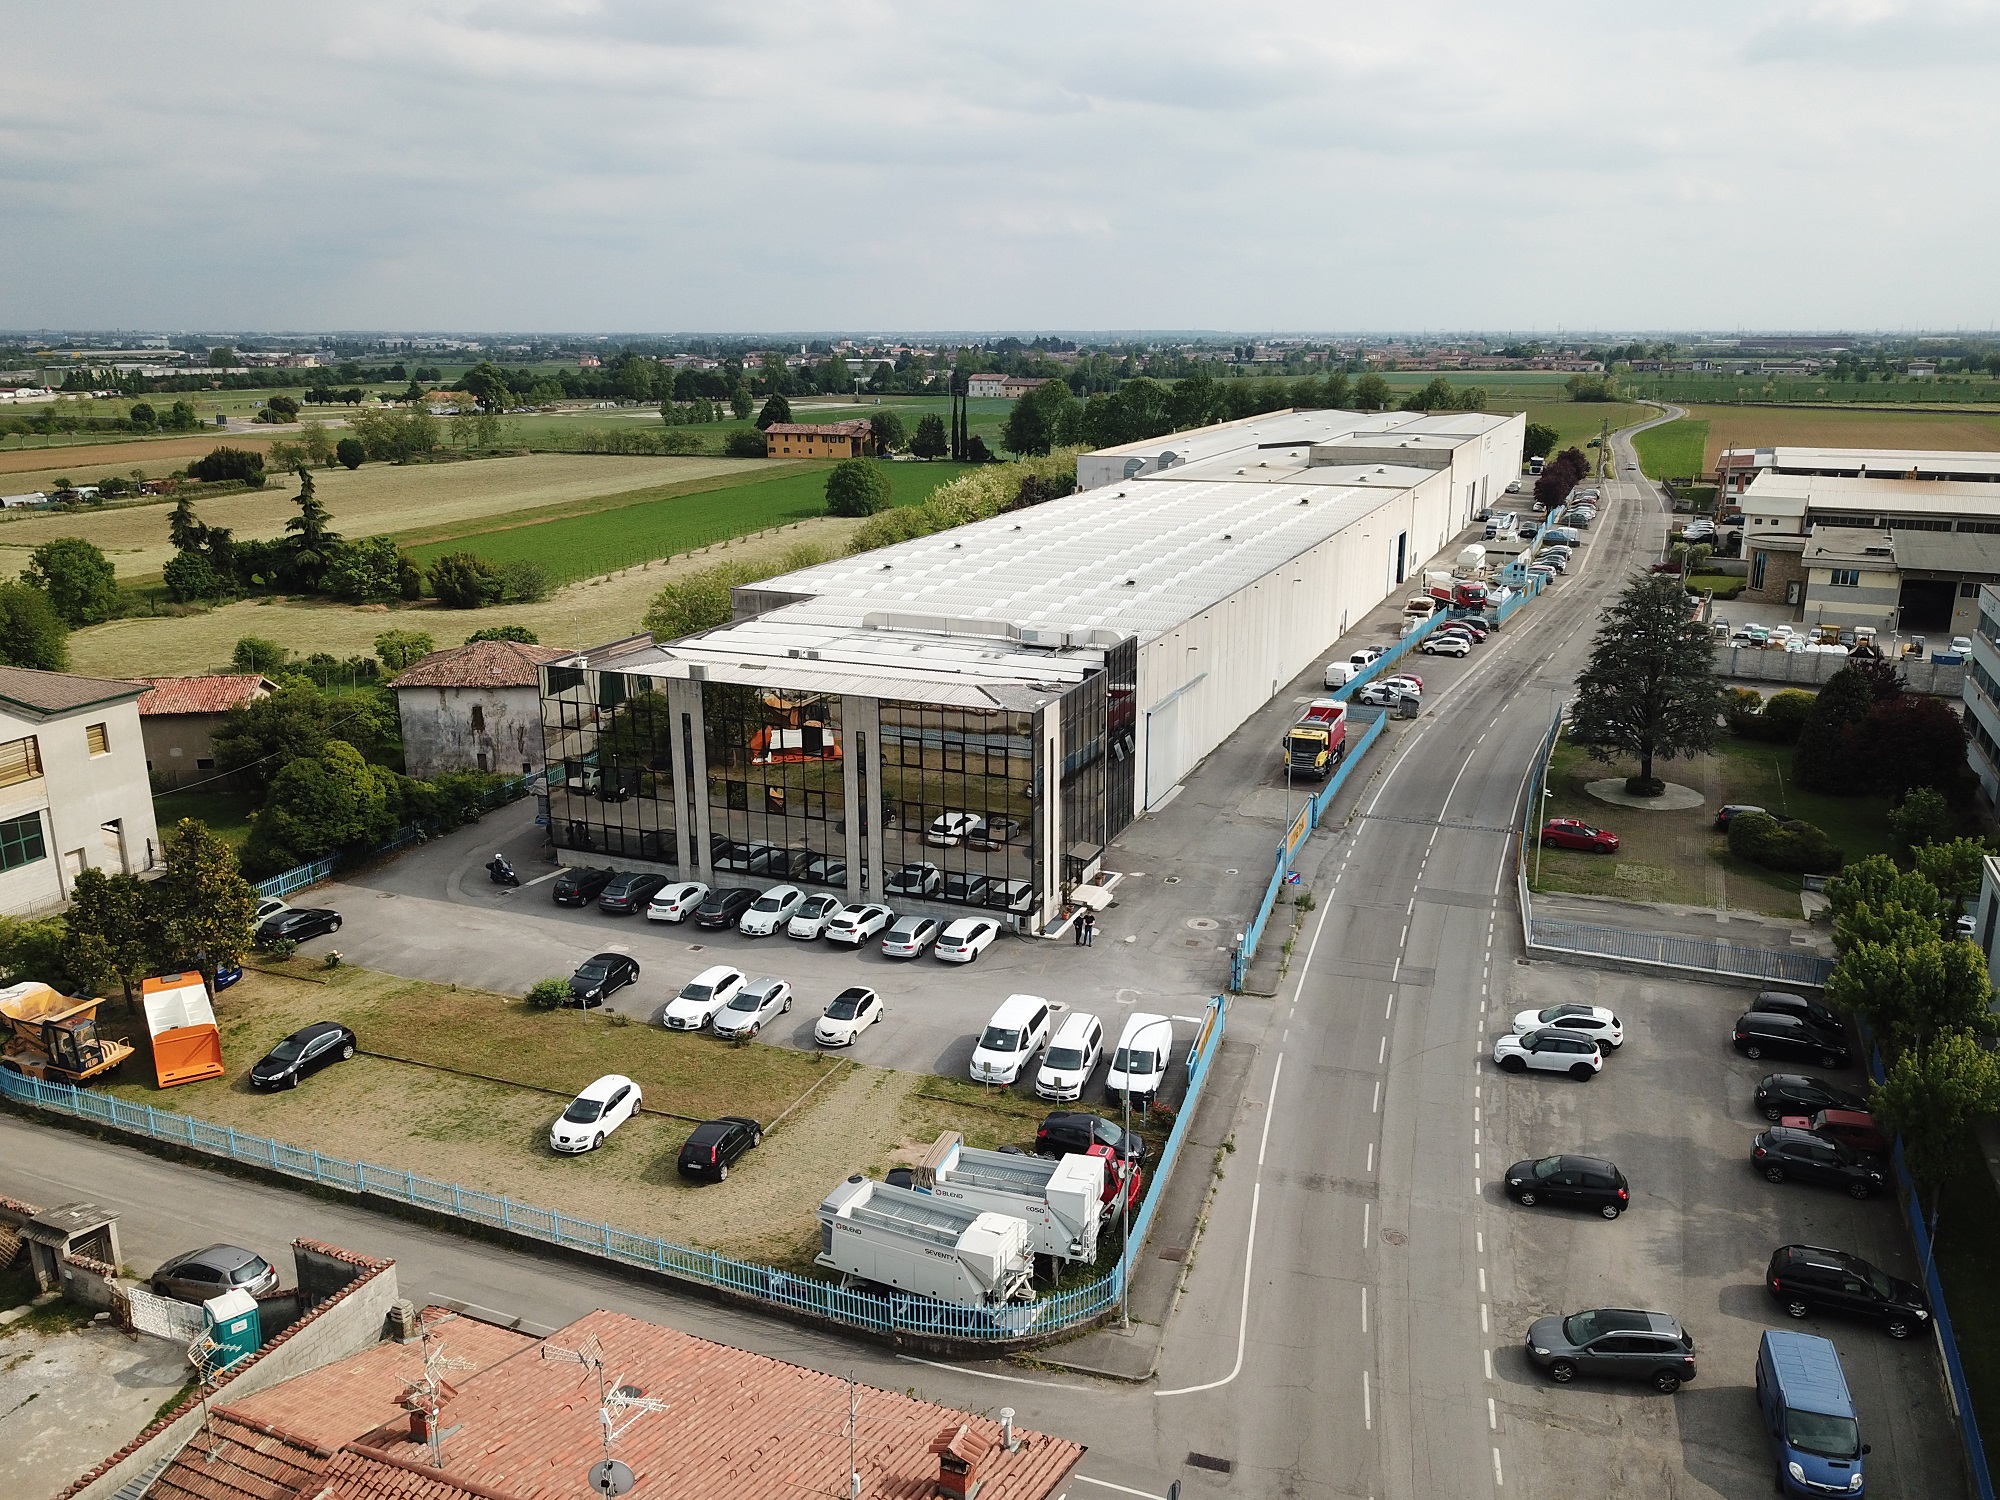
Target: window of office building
21	841
1085	826
611	767
1846	578
958	801
20	760
776	803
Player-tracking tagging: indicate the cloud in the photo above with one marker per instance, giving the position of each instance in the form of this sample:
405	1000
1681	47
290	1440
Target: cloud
691	165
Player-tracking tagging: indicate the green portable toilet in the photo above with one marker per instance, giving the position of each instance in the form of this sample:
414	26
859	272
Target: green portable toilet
234	1326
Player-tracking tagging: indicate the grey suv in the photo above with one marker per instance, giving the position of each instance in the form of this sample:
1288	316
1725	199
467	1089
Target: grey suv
1614	1343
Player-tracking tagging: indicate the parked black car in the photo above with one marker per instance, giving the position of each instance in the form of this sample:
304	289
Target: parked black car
1784	1151
626	892
1761	1033
725	904
601	976
1812	1012
581	885
1069	1132
297	925
714	1145
1807	1279
301	1054
1572	1181
1782	1094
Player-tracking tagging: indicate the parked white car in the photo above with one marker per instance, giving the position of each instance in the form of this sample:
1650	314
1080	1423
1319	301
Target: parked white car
770	911
594	1114
810	920
701	997
1550	1049
909	936
1594	1020
965	939
676	902
1019	1029
1446	645
267	908
755	1004
950	828
847	1015
854	925
1139	1066
1072	1057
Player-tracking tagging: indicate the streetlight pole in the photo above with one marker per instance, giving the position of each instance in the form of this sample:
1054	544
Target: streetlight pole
1125	1188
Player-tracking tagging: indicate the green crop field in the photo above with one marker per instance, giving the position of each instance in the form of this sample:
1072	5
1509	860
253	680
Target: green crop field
1577	422
585	546
1677	450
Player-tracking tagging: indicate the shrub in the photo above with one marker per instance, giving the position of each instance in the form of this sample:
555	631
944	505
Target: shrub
1924	818
526	580
1795	847
222	464
255	654
517	633
32	634
857	487
464	580
549	994
350	452
1777	722
280	948
745	442
191	579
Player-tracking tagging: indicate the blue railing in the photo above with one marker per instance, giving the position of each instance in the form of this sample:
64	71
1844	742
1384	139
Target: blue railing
872	1311
300	876
1380	666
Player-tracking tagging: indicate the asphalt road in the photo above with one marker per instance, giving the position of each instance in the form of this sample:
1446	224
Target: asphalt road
1352	1318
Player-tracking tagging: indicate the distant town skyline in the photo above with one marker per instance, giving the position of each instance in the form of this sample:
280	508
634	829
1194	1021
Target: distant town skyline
697	167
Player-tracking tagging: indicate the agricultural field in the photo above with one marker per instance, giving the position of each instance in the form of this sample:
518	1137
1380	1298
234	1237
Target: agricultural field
645	527
578	615
1828	427
403	499
407	1101
1577	422
1676	450
85	457
575	424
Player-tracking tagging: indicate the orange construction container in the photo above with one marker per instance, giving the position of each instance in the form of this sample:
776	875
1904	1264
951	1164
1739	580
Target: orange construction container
187	1047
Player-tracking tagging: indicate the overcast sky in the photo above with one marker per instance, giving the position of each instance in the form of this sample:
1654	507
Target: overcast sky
856	165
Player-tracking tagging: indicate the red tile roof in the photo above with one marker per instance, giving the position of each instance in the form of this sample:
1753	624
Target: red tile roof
481	664
235	1460
202	695
855	427
736	1424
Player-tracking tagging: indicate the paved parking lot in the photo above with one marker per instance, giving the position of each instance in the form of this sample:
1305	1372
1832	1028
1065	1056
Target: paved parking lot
1673	1109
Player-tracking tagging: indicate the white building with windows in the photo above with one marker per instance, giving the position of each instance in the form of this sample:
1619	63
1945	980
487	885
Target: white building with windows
73	787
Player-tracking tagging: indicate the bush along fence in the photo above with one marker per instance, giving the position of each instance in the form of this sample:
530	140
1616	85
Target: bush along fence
1659	950
865	1311
300	876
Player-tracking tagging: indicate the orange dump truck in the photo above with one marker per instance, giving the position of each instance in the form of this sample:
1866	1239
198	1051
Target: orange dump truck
54	1036
186	1045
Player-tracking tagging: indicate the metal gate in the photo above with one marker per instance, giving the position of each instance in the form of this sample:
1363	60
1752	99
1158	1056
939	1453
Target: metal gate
164	1317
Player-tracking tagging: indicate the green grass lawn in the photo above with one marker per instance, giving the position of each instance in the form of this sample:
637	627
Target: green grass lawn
1674	451
227	814
1722	585
1577	422
1678	857
610	538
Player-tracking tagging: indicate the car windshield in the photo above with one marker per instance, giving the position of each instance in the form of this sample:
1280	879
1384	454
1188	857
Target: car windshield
250	1270
1132	1060
748	1000
591	970
697	992
1000	1039
1064	1057
844	1007
287	1051
1548	1166
1581	1328
584	1111
1826	1436
1878	1283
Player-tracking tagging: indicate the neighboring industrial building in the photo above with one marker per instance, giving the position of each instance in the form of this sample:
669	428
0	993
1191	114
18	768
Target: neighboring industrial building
180	715
476	707
1902	555
73	787
1736	469
975	715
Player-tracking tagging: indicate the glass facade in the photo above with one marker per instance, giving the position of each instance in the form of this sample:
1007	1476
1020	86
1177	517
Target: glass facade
776	795
958	805
611	765
1085	821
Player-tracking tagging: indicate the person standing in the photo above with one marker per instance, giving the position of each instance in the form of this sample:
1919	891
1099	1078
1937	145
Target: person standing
1089	929
1076	927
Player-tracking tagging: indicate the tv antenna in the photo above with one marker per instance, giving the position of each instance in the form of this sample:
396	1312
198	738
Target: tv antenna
608	1476
201	1353
427	1395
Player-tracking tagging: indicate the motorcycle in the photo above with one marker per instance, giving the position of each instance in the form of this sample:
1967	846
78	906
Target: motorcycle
500	872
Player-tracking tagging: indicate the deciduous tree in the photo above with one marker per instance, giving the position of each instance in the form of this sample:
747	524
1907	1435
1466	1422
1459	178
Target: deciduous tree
399	649
32	634
113	932
888	431
319	804
1931	1097
1650	688
1910	991
205	908
78	578
857	487
776	409
464	580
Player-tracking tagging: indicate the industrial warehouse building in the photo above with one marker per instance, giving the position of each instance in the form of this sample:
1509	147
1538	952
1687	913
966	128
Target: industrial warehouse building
973	716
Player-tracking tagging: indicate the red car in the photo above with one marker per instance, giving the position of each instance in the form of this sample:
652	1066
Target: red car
1853	1128
1132	1191
1574	833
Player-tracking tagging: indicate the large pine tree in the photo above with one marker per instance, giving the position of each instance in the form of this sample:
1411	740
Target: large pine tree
1650	689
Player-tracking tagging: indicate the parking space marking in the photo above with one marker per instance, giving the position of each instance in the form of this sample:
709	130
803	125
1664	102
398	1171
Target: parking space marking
1366	1238
1364	1309
1492	1416
1381	1052
1367	1408
1377	1108
1371	1156
1488	1355
1498	1482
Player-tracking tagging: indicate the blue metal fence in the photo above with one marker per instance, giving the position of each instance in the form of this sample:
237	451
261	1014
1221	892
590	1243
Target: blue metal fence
1380	666
872	1311
300	876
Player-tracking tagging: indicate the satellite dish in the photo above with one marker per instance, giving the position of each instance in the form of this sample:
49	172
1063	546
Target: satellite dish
610	1477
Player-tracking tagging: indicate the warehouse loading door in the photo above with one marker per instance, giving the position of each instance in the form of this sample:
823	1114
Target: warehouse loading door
1163	750
1927	604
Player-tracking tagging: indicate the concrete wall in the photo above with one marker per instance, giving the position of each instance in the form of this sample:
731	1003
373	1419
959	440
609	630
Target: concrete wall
438	732
353	1321
1811	668
76	796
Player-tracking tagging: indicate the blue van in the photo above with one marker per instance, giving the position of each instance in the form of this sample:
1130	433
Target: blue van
1808	1415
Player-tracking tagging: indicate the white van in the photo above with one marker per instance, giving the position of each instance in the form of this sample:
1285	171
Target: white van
1139	1065
1072	1057
1019	1029
1340	673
